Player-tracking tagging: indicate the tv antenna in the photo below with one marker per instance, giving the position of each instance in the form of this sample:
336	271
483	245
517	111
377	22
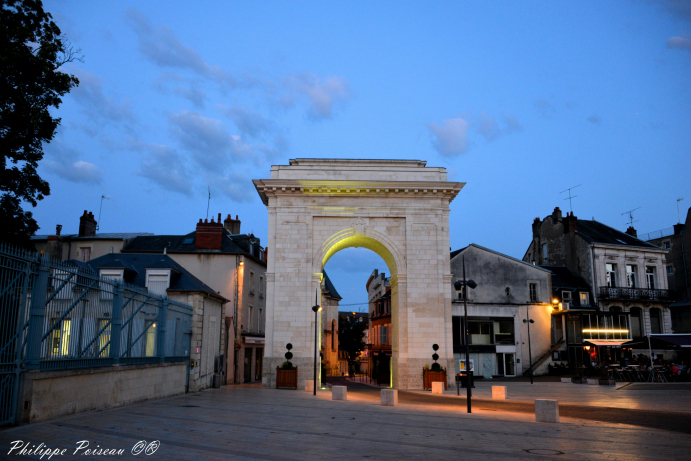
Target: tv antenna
570	196
208	202
98	224
630	213
679	215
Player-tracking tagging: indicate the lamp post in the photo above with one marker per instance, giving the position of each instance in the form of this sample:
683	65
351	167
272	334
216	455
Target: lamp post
316	308
462	286
528	321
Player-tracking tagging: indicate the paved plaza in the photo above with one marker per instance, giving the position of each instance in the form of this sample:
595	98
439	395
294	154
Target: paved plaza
255	423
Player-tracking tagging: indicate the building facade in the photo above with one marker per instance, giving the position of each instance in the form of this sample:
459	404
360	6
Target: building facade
508	292
329	345
379	345
626	274
234	265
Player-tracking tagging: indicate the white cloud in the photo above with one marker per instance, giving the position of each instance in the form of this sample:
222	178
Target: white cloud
594	119
512	123
65	162
488	127
322	94
544	108
249	123
90	96
451	137
163	48
166	168
206	138
681	43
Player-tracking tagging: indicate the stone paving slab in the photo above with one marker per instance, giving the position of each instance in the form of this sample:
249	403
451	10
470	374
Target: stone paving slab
254	423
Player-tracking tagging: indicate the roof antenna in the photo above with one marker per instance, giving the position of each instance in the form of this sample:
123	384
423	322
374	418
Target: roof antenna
98	224
678	215
630	213
208	202
570	196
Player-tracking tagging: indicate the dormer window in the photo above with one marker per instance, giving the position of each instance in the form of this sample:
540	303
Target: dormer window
584	298
107	287
158	281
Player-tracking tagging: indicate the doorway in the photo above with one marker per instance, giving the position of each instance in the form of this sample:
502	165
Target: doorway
248	365
506	364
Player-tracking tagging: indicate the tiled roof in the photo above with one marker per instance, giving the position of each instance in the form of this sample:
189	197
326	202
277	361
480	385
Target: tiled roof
230	244
330	289
102	236
596	232
135	266
565	278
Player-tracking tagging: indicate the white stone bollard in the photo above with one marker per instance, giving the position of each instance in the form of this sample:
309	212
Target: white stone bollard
437	387
309	385
499	392
389	397
594	381
339	393
547	411
566	380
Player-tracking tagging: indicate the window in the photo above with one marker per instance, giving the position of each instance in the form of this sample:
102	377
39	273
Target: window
630	276
85	254
666	245
60	338
58	278
150	338
508	291
655	321
107	288
566	296
260	321
611	272
158	281
650	277
249	323
251	282
544	251
670	270
383	335
104	338
261	284
584	299
636	322
533	292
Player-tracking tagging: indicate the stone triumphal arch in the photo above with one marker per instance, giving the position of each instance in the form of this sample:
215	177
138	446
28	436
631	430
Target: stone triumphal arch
397	208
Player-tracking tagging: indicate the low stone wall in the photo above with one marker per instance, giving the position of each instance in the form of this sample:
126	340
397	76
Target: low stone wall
51	394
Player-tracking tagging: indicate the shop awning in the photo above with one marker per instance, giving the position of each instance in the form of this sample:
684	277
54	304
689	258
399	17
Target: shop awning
607	343
681	340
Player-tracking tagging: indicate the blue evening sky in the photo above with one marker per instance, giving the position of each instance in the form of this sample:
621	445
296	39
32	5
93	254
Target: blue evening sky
520	100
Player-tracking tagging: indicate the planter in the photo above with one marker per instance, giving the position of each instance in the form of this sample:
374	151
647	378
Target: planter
286	379
607	382
429	376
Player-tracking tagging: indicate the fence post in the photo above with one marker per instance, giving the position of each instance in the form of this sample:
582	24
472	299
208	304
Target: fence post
116	323
161	330
37	313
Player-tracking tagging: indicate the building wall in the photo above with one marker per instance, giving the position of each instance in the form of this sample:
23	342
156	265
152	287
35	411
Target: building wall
494	273
219	272
329	344
49	395
207	338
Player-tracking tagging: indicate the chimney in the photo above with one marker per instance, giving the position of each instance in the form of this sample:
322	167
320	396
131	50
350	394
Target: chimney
556	215
54	247
87	224
209	235
678	228
266	254
537	223
232	225
570	223
632	232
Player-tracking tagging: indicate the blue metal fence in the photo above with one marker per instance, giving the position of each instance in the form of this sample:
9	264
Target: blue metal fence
62	315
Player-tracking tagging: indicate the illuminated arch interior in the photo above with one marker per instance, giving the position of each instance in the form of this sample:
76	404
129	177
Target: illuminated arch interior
363	241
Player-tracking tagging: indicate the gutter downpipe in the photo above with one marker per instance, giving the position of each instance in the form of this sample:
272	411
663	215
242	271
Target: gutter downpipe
235	319
594	278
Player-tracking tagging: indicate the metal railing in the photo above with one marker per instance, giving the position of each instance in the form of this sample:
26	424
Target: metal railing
62	315
634	294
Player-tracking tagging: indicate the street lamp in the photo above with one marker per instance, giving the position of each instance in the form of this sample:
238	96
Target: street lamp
462	286
316	308
528	321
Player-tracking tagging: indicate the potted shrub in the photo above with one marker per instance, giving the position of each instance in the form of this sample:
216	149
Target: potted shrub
434	373
287	374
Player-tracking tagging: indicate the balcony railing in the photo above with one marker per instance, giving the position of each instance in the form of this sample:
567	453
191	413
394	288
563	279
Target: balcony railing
634	294
379	347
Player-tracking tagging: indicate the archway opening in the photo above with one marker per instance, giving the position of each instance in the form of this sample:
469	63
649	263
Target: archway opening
361	267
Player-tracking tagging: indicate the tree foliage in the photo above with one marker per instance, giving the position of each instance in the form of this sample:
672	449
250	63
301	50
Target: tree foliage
350	334
31	52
